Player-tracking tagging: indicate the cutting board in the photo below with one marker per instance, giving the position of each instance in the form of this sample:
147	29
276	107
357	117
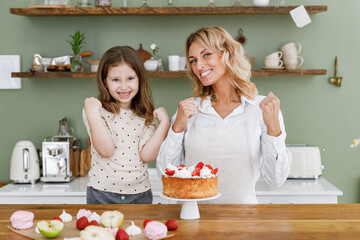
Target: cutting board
85	160
70	231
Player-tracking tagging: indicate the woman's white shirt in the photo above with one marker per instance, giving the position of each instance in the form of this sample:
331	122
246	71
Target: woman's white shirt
269	154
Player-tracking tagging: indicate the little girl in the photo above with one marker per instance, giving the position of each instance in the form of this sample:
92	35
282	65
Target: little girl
121	126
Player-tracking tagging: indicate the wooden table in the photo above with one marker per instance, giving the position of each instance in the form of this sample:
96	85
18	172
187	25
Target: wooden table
283	221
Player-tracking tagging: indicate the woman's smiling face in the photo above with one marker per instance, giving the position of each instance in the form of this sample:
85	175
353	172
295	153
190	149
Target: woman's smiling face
206	64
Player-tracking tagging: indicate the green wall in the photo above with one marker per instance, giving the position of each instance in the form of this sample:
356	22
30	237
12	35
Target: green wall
315	111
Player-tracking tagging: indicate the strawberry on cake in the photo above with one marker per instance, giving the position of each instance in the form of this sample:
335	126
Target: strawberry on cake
197	181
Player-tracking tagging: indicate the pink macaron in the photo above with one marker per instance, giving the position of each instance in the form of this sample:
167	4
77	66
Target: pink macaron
22	219
155	230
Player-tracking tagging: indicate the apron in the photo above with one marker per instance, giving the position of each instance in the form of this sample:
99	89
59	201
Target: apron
224	146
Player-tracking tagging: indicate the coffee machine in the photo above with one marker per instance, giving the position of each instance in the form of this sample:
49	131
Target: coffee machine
60	156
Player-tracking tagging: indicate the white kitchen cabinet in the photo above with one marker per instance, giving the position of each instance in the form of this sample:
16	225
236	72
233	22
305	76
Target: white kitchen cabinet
292	191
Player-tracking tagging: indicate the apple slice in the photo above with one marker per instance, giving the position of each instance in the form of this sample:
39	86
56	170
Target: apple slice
95	233
112	219
51	228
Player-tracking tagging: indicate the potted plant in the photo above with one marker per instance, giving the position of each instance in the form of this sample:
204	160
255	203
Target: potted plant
76	42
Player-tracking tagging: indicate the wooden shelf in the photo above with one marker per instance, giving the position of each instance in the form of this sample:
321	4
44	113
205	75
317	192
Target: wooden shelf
169	74
111	11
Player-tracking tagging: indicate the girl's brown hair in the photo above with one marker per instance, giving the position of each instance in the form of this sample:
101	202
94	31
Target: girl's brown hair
233	57
142	104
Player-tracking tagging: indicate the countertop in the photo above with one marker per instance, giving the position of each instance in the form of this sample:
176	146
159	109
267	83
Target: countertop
261	221
77	189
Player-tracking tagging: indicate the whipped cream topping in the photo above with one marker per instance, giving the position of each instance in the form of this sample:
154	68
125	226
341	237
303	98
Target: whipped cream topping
155	230
183	173
83	213
172	167
205	171
186	172
65	217
94	216
133	229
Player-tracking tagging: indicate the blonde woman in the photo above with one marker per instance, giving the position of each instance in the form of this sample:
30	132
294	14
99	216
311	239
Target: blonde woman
227	124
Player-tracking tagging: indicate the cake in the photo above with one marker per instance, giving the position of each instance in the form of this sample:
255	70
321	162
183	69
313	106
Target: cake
198	181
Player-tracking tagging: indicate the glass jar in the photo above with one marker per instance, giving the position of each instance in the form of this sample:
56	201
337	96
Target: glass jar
76	65
84	3
102	3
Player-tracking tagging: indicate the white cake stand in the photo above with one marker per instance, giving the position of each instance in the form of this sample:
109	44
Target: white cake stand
190	209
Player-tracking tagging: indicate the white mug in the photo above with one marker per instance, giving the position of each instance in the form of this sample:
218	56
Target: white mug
292	62
273	63
292	48
261	3
277	54
182	63
174	62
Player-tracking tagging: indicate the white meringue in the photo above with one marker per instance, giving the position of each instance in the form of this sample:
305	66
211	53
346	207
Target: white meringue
94	216
65	217
133	229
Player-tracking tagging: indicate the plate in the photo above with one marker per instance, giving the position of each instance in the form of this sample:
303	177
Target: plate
279	68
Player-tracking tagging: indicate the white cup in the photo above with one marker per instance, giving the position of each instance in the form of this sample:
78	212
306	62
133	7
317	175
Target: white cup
174	62
261	3
292	62
292	48
277	54
182	63
273	63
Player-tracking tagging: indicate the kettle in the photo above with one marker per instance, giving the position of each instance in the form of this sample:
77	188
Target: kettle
24	165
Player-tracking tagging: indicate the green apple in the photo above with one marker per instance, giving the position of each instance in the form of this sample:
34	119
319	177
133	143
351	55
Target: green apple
95	233
51	228
112	219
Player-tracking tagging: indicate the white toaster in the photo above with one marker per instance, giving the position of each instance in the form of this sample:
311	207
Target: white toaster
306	162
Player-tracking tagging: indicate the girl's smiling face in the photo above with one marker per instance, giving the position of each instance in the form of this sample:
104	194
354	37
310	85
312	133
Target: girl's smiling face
123	84
206	64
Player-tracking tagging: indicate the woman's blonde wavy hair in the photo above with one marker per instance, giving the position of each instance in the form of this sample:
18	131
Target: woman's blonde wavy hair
142	104
238	67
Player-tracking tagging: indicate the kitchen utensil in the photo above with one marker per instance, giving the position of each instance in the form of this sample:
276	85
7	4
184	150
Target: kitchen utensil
292	62
240	37
144	3
45	62
237	3
24	165
94	64
102	3
211	4
60	158
261	3
85	160
306	162
144	55
292	48
336	80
